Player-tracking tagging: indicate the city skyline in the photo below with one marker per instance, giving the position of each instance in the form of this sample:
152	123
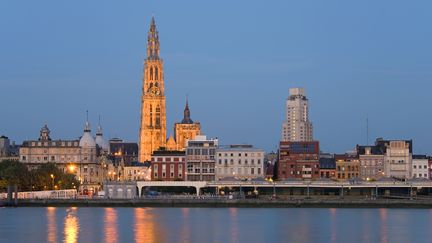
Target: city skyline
216	79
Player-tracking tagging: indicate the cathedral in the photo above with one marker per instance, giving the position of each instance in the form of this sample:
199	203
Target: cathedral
153	133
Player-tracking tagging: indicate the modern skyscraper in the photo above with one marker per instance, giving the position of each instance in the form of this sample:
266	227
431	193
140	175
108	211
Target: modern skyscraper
153	109
297	126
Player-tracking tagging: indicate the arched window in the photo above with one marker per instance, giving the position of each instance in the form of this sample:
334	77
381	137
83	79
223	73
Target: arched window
156	73
157	116
151	115
151	73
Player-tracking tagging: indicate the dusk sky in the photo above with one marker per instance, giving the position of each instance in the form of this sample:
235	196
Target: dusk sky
235	59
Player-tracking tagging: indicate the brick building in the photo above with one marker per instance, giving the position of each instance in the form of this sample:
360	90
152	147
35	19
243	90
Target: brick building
298	160
168	165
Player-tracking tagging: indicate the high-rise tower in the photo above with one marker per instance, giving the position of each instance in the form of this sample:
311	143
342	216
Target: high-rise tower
297	126
153	110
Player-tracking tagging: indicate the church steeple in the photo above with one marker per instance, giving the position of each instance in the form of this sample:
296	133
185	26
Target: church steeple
153	47
153	105
99	129
186	114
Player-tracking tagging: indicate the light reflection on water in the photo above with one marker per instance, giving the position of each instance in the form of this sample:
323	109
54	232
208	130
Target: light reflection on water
110	225
71	226
214	225
51	225
383	225
144	225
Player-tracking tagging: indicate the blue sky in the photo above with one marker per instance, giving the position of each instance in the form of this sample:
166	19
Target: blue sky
235	59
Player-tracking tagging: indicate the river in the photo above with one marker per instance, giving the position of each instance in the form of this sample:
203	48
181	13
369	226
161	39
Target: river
87	224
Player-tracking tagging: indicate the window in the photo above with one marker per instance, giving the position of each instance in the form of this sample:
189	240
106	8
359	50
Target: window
259	161
24	158
252	171
220	161
231	162
52	158
239	161
259	171
197	152
252	161
415	166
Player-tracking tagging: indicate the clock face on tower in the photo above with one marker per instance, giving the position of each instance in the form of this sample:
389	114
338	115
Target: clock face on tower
154	91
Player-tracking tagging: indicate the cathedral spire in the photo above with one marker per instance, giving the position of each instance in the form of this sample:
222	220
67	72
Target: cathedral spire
87	124
186	114
99	128
153	42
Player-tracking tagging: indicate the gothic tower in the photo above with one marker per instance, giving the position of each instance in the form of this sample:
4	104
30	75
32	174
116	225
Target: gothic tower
186	130
153	111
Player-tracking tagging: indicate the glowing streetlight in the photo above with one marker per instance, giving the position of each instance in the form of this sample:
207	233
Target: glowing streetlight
52	180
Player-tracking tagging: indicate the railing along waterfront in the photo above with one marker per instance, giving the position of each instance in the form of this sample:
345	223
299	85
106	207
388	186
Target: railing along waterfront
52	194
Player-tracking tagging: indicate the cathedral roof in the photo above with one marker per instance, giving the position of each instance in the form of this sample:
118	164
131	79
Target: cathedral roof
186	115
87	140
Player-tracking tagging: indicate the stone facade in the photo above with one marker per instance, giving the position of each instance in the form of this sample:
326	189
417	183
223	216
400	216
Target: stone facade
239	162
137	172
200	159
397	158
420	166
297	126
78	157
153	105
120	190
371	162
347	167
186	129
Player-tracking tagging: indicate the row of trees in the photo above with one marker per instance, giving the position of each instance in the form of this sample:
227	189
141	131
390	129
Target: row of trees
46	177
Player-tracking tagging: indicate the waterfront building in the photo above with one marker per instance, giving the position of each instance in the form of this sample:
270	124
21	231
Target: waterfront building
4	146
239	162
327	167
298	160
347	167
8	149
168	165
200	158
78	157
185	130
137	171
123	152
420	166
430	167
297	126
397	158
153	105
371	162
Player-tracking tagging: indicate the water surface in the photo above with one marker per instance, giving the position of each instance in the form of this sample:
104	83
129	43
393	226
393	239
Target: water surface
214	225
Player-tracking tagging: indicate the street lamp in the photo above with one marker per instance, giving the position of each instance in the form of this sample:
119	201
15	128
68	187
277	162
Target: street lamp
52	180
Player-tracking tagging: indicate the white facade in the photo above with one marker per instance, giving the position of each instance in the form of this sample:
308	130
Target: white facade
420	167
200	158
297	126
398	160
239	161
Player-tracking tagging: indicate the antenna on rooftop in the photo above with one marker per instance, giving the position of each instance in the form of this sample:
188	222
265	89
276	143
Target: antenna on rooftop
367	131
